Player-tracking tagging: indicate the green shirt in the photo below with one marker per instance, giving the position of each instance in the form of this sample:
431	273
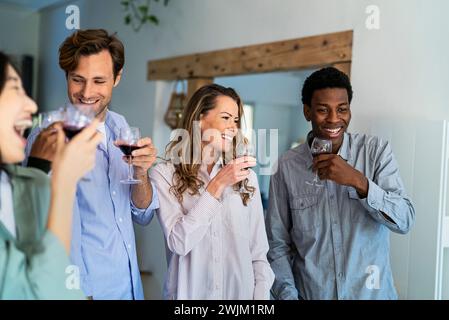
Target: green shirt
33	264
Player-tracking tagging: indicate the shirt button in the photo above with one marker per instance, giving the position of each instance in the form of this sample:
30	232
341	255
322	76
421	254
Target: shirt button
217	286
113	193
120	219
215	233
340	275
129	246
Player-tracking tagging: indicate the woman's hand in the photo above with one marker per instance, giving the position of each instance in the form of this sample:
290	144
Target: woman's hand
230	174
74	159
71	162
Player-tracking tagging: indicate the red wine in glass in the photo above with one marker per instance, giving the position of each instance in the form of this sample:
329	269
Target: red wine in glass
127	142
75	118
128	149
71	131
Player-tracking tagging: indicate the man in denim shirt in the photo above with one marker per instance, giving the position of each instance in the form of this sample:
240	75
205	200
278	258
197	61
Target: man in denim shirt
103	242
330	240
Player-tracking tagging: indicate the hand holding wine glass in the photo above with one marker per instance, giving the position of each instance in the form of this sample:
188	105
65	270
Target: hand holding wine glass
235	171
74	159
47	123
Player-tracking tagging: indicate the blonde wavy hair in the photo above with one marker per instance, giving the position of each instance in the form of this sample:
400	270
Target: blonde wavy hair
185	177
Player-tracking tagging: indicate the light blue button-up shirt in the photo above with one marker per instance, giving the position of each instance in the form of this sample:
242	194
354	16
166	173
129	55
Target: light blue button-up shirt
326	242
103	241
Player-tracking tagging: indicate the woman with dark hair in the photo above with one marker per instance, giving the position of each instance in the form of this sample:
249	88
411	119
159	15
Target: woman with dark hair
210	206
35	226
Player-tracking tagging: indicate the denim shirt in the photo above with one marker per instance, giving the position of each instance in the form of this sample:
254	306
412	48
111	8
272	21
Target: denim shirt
103	240
328	243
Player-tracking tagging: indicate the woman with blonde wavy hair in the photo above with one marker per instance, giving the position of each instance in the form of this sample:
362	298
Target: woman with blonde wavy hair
210	206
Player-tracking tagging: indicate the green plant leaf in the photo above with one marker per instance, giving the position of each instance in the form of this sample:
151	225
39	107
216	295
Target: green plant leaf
153	19
143	10
125	3
128	19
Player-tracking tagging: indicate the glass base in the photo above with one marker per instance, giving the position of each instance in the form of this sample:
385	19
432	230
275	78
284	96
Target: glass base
130	181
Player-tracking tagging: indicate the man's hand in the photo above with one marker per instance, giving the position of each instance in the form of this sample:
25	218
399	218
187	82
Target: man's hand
143	158
44	147
333	167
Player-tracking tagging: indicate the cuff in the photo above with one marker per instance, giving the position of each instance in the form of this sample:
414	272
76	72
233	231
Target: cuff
154	204
374	202
38	163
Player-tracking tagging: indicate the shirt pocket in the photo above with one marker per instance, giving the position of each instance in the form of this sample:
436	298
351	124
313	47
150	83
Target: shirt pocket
305	212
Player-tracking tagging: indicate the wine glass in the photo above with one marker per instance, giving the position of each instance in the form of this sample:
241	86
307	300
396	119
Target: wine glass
319	146
76	118
244	148
44	119
127	142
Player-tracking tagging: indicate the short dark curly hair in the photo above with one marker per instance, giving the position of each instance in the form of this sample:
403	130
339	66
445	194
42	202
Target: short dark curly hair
324	78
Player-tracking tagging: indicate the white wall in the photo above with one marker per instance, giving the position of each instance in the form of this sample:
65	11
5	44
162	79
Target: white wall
400	69
19	34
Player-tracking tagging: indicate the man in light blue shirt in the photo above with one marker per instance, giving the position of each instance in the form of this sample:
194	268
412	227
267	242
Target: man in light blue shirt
103	241
329	237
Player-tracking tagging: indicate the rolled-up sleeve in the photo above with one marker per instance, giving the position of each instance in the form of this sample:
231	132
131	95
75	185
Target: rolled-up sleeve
144	216
386	195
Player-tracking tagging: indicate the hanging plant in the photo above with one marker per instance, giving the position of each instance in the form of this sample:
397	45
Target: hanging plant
138	13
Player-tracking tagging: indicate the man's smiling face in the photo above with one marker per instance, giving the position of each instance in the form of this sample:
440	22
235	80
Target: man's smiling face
91	83
330	115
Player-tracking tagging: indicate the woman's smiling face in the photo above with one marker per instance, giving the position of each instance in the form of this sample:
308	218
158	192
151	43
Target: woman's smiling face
16	109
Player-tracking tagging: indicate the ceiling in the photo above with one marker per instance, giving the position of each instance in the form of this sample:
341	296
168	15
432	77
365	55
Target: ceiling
33	5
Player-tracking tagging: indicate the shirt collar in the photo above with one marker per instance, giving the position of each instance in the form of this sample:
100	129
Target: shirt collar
217	166
112	125
18	171
344	151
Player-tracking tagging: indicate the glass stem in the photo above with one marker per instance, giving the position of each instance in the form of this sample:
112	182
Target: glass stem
130	174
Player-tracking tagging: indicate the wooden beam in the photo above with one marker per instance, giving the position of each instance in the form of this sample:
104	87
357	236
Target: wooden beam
303	53
195	84
344	67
